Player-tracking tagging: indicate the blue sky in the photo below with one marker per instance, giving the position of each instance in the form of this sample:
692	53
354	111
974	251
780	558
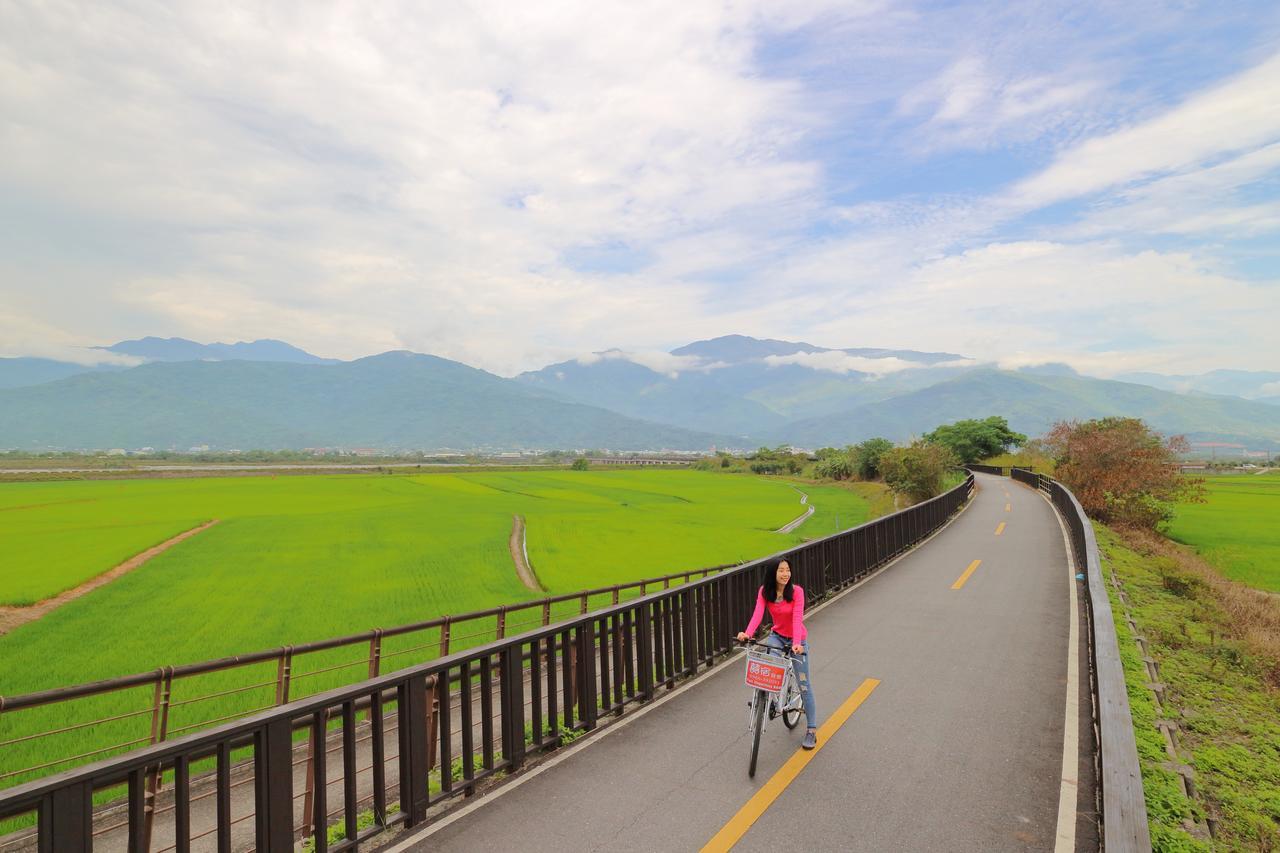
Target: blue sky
1089	183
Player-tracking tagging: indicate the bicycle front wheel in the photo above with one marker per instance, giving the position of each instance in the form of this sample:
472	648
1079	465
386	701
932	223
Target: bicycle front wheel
757	726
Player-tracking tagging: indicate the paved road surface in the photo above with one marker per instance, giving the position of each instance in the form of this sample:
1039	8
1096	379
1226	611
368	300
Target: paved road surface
959	747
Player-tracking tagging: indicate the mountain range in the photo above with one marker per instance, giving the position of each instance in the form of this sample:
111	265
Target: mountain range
732	391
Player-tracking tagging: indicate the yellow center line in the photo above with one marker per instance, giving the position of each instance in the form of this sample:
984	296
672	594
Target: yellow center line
731	833
964	577
1000	528
1008	507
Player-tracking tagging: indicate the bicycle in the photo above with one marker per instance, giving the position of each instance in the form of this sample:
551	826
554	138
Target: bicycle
776	691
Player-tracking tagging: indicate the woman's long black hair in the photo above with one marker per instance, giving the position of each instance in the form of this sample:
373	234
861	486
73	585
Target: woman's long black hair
770	589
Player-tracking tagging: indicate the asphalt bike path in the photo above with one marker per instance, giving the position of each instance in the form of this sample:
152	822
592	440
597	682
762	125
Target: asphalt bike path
958	656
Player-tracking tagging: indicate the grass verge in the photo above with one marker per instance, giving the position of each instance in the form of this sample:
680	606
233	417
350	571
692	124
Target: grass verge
1214	641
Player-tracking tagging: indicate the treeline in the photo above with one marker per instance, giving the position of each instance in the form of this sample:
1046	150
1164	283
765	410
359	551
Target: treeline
918	470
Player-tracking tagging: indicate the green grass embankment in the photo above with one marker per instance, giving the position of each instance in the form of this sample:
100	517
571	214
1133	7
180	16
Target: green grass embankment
1208	636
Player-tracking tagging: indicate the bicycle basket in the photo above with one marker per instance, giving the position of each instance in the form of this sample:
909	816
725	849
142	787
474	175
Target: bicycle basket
765	672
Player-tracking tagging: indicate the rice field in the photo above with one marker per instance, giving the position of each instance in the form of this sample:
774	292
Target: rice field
1238	529
297	559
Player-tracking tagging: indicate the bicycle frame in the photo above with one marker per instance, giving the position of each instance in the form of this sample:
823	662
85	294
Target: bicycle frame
789	684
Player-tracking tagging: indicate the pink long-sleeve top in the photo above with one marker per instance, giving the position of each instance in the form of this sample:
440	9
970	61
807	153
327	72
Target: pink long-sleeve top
788	616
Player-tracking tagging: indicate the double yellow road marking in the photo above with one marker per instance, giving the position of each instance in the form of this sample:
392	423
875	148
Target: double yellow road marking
731	833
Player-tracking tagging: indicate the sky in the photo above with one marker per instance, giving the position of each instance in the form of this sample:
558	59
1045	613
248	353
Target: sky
512	185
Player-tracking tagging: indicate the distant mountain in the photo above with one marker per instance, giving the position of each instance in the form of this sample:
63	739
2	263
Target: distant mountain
639	392
1250	384
21	372
735	384
181	349
1032	403
396	400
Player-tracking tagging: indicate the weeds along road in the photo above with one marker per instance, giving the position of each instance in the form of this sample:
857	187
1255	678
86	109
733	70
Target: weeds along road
956	662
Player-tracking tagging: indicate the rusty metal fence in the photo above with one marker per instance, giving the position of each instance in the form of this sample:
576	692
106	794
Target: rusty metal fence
344	764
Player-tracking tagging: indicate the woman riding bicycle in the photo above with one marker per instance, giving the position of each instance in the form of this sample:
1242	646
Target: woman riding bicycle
785	602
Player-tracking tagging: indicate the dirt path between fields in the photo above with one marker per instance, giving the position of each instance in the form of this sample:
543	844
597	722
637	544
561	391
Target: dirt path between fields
14	617
520	556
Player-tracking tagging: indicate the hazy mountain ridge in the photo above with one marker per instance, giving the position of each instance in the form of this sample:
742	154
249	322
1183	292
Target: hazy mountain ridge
181	349
732	391
1032	403
394	400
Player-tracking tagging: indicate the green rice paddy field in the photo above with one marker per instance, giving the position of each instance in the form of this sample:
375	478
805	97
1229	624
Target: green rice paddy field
1238	529
303	558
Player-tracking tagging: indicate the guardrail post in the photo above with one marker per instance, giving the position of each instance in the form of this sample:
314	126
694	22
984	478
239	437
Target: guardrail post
644	636
414	735
511	665
273	785
501	630
586	675
688	638
66	820
546	612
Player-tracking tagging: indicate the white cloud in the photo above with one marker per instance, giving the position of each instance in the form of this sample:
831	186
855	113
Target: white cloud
1237	115
834	361
657	361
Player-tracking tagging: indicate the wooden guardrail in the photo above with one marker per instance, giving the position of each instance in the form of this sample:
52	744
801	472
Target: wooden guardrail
1124	811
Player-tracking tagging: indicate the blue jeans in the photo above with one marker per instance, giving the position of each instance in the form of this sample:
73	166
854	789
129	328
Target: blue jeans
800	663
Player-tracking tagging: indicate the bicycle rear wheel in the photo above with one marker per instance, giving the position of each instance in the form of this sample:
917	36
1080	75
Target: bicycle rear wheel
791	719
757	726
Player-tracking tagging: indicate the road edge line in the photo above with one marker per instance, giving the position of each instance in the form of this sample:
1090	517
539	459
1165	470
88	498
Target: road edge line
1069	792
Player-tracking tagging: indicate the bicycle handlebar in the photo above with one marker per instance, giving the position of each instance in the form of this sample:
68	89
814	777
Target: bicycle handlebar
786	650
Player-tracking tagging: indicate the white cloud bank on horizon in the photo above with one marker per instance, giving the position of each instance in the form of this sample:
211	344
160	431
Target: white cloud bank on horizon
354	180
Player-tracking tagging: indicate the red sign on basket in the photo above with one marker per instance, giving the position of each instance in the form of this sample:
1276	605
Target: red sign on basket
765	674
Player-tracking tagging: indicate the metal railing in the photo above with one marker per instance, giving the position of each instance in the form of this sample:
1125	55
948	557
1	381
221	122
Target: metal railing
520	694
182	699
1124	811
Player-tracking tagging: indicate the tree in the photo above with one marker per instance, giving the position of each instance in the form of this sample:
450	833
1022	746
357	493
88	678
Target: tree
973	440
868	455
580	464
1122	471
918	469
837	466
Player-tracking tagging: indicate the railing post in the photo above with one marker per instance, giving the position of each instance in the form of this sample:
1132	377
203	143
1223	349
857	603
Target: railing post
546	612
583	608
159	729
284	671
512	669
501	630
688	638
375	653
273	785
66	820
414	736
586	673
444	638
